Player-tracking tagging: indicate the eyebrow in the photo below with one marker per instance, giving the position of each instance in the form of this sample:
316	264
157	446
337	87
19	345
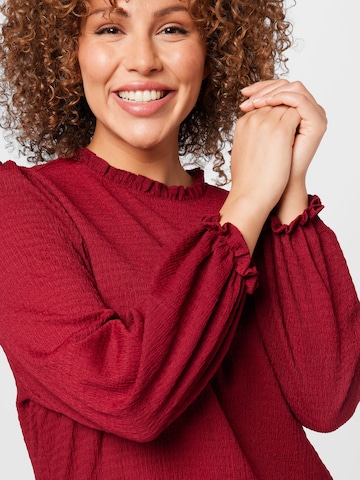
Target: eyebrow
118	11
157	14
167	10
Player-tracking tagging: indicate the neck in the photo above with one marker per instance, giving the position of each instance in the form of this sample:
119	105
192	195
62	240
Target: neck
158	163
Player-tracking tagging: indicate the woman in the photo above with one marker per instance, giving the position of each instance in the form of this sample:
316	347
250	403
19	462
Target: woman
159	327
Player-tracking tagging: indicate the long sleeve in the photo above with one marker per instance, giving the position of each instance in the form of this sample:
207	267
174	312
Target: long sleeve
130	373
308	313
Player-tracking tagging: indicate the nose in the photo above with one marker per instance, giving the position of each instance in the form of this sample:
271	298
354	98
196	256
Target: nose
142	55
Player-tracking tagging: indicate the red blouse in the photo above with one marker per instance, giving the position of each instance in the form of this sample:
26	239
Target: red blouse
140	346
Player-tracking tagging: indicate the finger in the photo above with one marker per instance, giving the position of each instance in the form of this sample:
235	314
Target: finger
296	87
255	88
292	119
305	103
287	118
270	121
306	106
282	97
266	95
263	88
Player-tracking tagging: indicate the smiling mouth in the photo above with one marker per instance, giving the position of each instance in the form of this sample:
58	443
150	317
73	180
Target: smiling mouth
142	96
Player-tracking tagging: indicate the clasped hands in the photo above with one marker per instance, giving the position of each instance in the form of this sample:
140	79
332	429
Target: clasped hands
274	143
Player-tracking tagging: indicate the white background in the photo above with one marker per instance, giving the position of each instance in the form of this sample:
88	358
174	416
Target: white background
326	59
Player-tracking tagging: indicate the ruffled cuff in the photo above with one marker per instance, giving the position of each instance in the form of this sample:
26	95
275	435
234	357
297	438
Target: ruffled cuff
315	206
230	237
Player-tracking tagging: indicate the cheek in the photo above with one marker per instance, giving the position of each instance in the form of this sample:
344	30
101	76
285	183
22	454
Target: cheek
190	65
95	62
195	64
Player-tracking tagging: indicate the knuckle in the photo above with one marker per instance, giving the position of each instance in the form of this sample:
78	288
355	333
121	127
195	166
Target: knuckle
297	85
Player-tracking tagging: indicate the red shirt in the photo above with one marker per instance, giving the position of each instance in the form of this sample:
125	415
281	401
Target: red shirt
139	347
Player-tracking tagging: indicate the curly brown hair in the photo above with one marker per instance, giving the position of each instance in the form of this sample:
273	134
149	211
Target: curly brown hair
42	93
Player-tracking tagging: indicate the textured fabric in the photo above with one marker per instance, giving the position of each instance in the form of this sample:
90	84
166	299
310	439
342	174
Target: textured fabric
147	345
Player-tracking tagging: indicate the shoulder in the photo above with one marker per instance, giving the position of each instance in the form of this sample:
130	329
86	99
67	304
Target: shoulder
13	180
18	184
32	182
10	171
28	196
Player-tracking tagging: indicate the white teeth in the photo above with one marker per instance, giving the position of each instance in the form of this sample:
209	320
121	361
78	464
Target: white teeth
141	96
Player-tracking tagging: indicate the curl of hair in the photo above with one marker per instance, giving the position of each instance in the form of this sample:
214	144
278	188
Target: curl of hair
42	96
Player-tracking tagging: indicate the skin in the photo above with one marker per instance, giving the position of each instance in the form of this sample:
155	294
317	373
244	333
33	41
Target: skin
147	46
274	144
155	45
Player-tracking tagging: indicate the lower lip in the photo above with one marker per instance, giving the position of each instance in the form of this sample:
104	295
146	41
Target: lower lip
145	109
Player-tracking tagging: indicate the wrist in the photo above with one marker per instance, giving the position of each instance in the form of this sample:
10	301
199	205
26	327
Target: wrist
293	202
246	215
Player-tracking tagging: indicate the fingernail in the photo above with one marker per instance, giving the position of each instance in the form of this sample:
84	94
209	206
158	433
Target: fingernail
245	104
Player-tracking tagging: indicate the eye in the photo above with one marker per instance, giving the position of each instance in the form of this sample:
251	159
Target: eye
174	30
109	30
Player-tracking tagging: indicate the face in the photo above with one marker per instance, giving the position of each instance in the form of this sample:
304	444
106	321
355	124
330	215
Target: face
142	67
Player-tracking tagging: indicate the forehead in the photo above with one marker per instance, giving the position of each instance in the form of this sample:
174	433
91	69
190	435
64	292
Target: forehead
133	8
128	3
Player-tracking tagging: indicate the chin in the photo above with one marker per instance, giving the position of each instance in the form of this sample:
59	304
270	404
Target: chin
148	144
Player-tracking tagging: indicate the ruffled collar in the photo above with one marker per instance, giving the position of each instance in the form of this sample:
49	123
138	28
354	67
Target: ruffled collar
141	183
